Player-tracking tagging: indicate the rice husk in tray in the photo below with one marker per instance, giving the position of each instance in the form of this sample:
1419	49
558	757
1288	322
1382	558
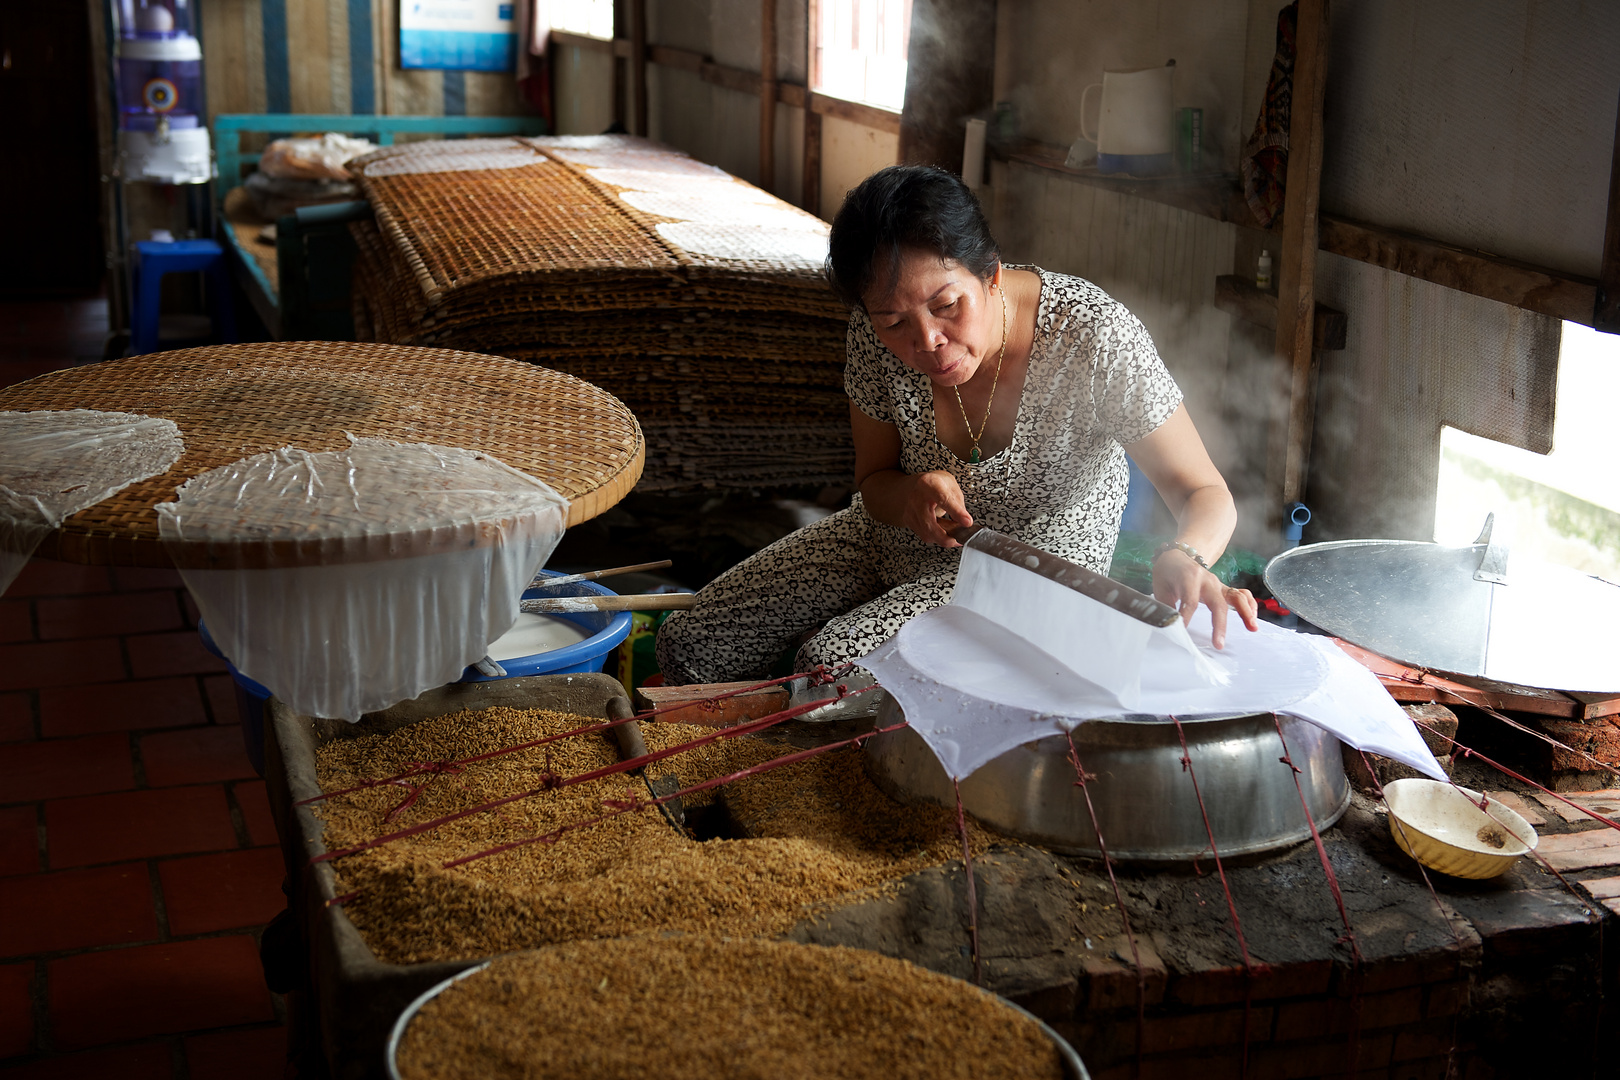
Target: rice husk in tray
694	1007
818	833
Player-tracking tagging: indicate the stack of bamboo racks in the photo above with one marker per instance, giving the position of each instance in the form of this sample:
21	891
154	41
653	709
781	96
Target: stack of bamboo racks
695	298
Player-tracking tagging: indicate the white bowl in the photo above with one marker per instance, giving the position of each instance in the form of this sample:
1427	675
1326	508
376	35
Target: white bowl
1443	827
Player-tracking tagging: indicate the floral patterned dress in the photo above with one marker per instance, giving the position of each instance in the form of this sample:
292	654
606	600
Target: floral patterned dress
1094	382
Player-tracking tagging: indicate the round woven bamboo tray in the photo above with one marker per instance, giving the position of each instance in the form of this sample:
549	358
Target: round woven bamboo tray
232	401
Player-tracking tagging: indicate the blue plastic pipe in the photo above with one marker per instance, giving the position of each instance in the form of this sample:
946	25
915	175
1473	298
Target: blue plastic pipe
1297	515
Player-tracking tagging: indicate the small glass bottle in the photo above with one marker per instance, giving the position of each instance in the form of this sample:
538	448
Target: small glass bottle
1262	272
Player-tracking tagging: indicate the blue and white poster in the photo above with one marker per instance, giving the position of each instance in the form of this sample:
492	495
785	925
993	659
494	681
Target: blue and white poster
457	35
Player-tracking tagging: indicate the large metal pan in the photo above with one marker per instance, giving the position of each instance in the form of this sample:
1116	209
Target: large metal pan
1146	808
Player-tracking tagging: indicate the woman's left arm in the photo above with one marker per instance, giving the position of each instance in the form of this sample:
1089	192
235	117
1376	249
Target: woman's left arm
1174	459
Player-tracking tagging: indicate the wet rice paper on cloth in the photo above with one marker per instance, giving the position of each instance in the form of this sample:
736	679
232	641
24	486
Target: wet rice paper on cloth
1007	662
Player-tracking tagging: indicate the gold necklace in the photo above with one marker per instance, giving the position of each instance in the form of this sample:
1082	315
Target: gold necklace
974	455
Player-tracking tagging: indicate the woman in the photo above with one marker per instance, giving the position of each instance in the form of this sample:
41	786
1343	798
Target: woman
979	394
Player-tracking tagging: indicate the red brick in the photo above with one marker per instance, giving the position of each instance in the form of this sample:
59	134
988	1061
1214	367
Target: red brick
43	577
1334	1015
136	578
1223	986
1432	1038
1320	1057
220	691
255	804
123	706
16	717
180	653
149	1061
255	1054
1601	741
223	892
1109	983
137	825
30	665
59	767
1447	999
193	613
1437	965
1206	1030
198	755
76	909
16	1009
119	994
16	620
19	840
113	613
1435	1068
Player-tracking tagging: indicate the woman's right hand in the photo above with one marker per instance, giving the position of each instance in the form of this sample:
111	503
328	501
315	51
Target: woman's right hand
933	506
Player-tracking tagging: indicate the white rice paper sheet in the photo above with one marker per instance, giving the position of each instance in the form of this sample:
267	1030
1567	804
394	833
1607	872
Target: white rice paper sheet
974	687
340	637
58	462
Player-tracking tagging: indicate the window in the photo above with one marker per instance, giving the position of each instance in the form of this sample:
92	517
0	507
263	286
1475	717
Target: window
858	50
590	17
1563	508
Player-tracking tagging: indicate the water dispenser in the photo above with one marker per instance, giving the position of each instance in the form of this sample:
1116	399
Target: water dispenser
162	135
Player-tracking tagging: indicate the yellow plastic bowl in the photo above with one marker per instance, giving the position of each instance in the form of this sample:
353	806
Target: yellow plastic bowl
1443	828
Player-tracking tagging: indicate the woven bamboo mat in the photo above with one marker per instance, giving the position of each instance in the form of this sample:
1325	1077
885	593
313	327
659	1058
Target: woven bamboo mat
233	401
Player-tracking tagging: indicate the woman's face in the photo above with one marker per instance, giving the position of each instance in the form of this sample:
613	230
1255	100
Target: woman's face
939	319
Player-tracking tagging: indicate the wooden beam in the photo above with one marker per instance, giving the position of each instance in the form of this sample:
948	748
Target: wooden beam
811	197
1289	443
1534	288
1238	296
638	62
767	94
582	41
748	82
1606	307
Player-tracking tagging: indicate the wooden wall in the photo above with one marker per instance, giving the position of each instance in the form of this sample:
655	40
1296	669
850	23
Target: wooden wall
331	56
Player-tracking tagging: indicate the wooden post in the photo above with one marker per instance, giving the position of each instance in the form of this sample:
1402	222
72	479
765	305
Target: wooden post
767	94
638	63
1606	316
1289	441
811	200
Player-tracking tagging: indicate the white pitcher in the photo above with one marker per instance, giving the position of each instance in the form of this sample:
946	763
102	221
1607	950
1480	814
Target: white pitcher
1135	130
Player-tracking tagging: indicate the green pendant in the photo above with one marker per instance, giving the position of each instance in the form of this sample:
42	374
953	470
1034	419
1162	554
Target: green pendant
973	457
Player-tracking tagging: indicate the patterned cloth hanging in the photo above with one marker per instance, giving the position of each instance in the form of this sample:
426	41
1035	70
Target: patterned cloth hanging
1265	155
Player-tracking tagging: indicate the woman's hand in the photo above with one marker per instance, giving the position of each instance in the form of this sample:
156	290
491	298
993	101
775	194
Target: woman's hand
933	505
1183	584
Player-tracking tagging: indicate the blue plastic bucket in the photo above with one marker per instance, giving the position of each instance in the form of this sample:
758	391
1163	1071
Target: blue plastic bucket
607	630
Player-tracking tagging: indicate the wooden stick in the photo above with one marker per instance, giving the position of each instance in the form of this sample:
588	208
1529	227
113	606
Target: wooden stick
570	579
767	95
558	605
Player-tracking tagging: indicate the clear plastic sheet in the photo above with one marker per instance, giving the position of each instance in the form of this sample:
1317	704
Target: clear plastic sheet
56	463
350	580
973	686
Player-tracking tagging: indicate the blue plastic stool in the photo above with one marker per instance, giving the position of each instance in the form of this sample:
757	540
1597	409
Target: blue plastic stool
154	259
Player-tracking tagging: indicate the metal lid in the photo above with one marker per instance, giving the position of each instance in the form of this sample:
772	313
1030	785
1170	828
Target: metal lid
1467	610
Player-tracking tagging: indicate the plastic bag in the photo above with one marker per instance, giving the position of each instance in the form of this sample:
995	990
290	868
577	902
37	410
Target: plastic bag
56	463
313	159
350	580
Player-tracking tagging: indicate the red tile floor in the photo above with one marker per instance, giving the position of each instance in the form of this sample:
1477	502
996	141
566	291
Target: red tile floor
137	855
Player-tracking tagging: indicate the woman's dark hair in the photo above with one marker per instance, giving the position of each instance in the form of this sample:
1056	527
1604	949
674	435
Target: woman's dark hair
905	206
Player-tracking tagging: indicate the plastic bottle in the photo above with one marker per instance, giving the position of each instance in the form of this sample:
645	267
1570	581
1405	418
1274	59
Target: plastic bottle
1262	272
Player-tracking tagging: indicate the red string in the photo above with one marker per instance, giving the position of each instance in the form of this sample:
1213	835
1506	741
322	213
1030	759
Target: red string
630	805
432	770
1081	777
596	774
972	890
1338	898
820	675
1231	903
1422	679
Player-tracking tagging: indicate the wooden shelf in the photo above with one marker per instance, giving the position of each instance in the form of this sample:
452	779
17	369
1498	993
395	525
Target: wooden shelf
1215	195
1239	296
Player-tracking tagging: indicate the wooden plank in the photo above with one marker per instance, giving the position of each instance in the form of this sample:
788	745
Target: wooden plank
581	41
703	711
1238	296
1409	684
856	113
810	198
1581	850
1595	706
767	94
1287	458
1606	304
1507	281
638	63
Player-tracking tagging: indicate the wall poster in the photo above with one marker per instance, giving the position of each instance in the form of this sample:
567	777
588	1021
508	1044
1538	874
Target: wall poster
457	35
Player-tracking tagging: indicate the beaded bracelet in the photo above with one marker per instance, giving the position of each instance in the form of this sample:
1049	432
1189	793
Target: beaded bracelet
1185	549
